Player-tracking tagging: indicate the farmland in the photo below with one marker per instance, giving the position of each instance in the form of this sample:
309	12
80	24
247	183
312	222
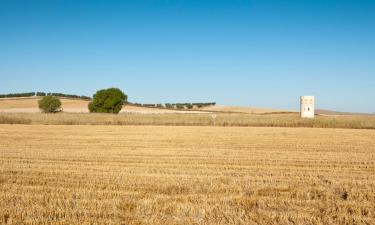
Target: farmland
185	119
26	111
30	105
186	175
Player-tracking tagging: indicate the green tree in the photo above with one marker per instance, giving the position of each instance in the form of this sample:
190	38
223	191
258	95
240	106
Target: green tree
189	105
49	104
108	100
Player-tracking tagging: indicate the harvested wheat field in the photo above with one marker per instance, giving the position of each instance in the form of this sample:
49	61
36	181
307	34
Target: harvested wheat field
186	175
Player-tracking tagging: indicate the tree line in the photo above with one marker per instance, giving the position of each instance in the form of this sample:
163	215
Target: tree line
176	105
42	94
14	95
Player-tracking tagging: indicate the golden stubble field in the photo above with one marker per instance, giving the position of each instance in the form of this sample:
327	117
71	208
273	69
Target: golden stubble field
185	175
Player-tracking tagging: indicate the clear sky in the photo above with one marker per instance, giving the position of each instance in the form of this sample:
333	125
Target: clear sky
237	52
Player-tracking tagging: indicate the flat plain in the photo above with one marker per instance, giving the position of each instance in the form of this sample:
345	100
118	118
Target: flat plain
82	174
30	105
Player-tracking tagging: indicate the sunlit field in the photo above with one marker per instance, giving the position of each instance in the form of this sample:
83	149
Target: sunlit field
186	175
222	119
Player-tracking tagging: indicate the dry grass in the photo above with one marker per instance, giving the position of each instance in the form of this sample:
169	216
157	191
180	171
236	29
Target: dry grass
186	175
14	103
225	119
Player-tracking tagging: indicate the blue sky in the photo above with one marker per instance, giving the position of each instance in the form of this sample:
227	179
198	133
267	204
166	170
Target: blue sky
237	52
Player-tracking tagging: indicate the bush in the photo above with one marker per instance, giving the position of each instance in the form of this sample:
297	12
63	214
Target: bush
180	106
49	104
108	101
189	106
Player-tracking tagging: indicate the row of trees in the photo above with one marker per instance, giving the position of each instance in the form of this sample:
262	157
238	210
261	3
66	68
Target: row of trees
63	95
42	94
14	95
176	105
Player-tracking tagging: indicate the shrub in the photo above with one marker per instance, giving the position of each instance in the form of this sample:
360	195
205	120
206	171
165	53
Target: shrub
189	106
180	106
108	101
198	105
49	104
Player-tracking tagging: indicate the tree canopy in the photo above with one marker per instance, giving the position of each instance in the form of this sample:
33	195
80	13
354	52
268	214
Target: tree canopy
49	104
108	100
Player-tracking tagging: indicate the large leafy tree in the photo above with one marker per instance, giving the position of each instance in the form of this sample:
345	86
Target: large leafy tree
49	104
108	100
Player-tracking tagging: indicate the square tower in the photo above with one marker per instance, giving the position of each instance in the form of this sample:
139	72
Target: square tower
307	106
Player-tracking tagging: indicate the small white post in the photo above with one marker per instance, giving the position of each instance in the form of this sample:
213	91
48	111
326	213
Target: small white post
213	116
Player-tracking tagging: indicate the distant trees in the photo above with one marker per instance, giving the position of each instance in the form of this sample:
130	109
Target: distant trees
189	105
201	105
49	104
169	106
16	95
176	105
66	95
108	100
42	94
180	106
